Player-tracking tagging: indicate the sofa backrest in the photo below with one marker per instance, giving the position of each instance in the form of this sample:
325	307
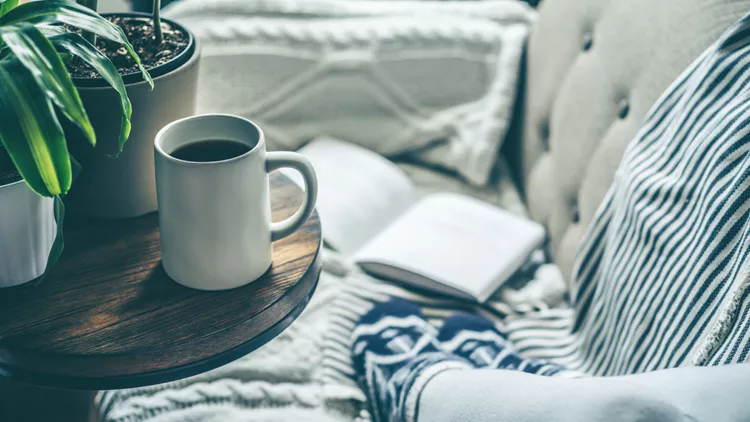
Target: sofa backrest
593	70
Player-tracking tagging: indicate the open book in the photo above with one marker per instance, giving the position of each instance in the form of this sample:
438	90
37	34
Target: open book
445	243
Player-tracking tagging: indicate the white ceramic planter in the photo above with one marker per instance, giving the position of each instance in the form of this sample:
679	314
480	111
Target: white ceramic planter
27	231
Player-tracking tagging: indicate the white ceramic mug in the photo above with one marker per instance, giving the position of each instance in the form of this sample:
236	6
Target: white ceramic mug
215	217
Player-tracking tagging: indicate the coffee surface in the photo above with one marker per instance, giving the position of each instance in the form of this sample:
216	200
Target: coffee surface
210	150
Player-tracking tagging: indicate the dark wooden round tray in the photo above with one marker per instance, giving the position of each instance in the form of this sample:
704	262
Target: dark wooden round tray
109	317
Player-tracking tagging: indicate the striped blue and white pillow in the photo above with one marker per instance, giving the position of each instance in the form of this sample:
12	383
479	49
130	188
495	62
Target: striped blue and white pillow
665	258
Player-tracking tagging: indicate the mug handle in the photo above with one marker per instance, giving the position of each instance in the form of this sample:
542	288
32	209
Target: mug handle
278	159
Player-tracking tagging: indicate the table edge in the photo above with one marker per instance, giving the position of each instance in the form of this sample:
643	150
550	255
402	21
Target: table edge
69	382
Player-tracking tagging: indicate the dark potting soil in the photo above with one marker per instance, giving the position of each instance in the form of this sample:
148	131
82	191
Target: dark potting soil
9	176
8	173
140	33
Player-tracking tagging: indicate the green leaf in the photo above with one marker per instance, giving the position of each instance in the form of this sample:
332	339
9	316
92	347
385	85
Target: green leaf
47	30
31	133
7	5
52	30
53	11
77	45
59	244
66	58
39	56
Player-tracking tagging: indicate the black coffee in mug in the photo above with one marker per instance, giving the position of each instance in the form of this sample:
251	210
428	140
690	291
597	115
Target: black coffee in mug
210	150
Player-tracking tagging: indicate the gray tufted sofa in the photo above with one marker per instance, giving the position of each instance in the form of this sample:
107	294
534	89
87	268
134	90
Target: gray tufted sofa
593	70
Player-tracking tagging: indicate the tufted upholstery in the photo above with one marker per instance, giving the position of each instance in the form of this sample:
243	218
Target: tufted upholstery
593	70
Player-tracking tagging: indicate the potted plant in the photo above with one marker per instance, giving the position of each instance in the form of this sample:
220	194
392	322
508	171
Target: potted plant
36	90
126	187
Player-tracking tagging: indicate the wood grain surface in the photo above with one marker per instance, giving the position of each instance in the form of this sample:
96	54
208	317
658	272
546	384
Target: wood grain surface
109	317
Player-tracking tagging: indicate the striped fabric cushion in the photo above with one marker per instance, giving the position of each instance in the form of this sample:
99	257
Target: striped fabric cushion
668	246
661	278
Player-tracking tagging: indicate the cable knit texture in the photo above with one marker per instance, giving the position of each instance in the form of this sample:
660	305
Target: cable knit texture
432	79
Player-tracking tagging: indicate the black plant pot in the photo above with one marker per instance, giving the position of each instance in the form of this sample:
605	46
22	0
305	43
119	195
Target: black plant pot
125	187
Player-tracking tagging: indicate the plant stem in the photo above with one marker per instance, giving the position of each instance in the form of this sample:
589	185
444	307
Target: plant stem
156	13
93	5
90	37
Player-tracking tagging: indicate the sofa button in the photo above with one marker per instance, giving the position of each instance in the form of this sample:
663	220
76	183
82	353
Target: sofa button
588	41
575	214
544	134
624	109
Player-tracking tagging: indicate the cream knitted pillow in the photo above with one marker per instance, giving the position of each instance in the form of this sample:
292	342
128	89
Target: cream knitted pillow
432	79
